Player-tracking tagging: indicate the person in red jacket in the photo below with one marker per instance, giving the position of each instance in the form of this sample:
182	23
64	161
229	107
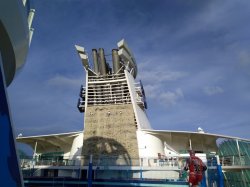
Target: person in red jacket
196	169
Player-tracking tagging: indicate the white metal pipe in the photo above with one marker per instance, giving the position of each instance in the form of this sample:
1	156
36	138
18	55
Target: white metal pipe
24	2
218	159
238	147
34	154
190	144
91	159
30	17
31	34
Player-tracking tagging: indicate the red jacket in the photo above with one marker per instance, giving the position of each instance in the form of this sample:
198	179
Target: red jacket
195	165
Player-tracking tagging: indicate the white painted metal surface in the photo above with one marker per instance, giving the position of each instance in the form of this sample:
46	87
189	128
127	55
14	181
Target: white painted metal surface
149	145
140	115
14	18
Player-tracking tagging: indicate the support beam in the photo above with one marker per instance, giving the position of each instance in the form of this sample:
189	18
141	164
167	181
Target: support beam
238	148
34	154
190	144
9	161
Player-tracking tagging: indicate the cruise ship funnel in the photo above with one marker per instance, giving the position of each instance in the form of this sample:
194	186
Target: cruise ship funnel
102	61
116	61
95	60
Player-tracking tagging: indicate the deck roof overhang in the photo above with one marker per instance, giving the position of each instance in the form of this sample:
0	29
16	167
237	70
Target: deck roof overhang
184	140
177	140
49	142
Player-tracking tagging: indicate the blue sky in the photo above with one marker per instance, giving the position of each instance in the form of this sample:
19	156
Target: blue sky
193	59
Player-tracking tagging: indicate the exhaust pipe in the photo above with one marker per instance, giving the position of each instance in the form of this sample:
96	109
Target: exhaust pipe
116	61
102	61
95	60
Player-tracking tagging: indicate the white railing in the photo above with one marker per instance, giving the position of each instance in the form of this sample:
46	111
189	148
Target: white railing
103	161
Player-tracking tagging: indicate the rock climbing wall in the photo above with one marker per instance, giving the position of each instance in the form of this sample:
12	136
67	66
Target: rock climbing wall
110	131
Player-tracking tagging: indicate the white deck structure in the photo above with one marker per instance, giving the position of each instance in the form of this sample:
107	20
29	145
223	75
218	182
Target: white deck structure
158	150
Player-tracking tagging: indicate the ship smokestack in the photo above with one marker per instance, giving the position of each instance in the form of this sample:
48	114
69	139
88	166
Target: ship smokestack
102	61
116	61
95	60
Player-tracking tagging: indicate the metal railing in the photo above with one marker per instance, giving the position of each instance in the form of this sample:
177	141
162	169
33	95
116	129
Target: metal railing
235	160
125	161
124	168
102	161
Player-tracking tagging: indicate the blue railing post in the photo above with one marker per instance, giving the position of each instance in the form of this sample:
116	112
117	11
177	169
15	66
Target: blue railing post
141	163
204	181
141	174
220	174
90	172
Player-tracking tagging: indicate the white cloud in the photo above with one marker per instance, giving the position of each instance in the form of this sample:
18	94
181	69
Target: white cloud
170	98
65	82
212	90
161	76
244	57
155	79
212	18
167	98
153	74
152	90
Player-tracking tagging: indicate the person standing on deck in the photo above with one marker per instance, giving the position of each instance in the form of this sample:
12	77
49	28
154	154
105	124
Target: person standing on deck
196	169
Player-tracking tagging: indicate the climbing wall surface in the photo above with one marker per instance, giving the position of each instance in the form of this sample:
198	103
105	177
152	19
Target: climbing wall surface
111	131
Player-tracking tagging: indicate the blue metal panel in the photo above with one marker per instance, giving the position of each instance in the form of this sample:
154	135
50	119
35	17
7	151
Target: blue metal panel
220	176
10	175
90	174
